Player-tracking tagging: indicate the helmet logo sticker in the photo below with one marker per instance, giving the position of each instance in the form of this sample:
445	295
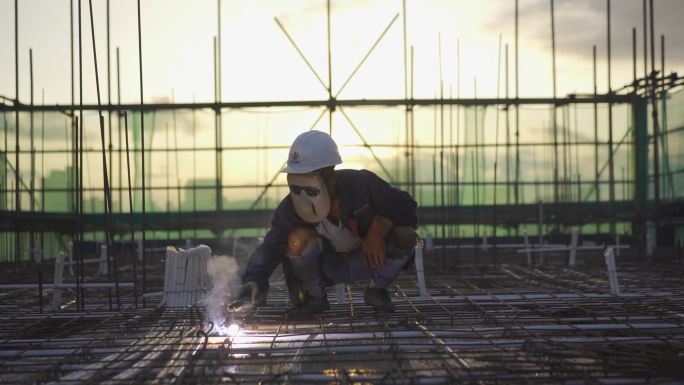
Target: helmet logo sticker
294	157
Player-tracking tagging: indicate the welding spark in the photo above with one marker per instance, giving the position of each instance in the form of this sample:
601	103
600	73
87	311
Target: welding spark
226	330
233	330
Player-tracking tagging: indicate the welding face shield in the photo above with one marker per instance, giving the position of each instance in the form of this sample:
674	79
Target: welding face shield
310	196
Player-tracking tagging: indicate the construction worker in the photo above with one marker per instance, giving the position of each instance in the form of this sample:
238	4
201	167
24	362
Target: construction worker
335	226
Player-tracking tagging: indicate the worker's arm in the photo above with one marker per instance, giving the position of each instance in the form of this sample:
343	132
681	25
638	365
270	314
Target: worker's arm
374	246
390	202
272	251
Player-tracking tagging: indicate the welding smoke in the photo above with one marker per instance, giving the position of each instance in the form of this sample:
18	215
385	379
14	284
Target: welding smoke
223	271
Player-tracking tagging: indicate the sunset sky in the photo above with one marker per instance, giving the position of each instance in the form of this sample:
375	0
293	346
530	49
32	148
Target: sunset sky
258	63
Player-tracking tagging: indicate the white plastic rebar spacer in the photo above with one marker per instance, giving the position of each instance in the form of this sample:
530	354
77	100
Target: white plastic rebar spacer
420	269
609	254
185	276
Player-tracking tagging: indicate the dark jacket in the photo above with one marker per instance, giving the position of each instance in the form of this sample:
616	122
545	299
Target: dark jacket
362	194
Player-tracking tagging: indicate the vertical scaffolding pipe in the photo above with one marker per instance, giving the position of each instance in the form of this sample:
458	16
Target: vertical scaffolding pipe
654	114
475	204
134	259
178	178
17	175
331	105
32	183
72	182
218	120
71	47
409	107
118	100
42	173
556	181
32	149
217	128
434	171
168	183
596	141
496	156
413	156
218	49
441	154
663	95
577	162
476	172
636	191
634	60
645	20
6	198
194	165
109	110
79	139
508	138
567	165
105	172
611	166
450	170
434	158
457	188
645	233
478	163
142	147
517	111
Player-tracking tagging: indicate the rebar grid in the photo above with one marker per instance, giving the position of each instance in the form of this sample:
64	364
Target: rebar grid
506	323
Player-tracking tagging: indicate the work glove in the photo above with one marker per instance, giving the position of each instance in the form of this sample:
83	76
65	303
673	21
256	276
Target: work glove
248	296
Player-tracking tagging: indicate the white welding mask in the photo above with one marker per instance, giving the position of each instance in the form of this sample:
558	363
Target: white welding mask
309	196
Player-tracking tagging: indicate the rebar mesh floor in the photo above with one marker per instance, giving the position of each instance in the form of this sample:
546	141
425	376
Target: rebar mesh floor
507	323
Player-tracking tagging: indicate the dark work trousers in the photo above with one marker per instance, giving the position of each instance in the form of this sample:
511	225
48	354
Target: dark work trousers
320	266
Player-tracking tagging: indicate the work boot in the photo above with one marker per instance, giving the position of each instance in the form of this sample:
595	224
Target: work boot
310	307
379	299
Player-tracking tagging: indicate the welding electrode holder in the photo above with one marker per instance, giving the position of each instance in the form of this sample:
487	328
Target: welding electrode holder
249	296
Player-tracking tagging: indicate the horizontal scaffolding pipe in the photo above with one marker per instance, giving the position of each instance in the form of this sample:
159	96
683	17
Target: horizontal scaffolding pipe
588	212
67	108
567	248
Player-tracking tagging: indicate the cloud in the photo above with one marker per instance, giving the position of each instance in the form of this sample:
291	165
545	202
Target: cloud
580	24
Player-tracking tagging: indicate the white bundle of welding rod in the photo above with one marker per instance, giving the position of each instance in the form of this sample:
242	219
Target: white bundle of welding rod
186	279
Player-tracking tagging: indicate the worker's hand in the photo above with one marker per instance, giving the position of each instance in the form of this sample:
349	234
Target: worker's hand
247	296
374	249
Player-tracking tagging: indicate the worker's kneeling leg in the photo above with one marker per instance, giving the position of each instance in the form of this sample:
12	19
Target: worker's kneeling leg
401	248
304	250
403	237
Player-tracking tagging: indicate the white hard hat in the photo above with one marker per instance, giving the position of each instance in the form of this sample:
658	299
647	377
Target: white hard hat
310	151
